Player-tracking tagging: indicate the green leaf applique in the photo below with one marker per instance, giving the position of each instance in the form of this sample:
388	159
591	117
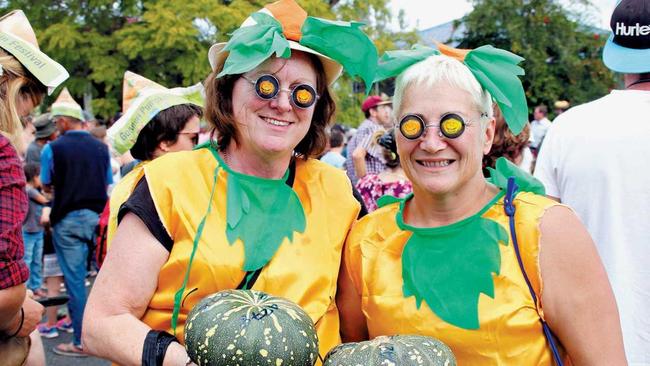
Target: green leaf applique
450	266
343	42
261	213
506	169
252	45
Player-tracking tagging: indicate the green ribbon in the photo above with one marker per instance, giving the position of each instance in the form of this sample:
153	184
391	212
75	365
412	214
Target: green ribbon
495	69
251	45
343	42
498	73
178	296
393	63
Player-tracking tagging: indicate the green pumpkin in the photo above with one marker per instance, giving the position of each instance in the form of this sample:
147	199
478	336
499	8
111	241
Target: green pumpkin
399	350
248	328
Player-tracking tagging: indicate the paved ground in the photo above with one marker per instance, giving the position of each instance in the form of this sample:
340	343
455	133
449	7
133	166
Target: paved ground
53	359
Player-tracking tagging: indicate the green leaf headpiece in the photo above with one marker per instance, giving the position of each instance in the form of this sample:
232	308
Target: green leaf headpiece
283	26
495	69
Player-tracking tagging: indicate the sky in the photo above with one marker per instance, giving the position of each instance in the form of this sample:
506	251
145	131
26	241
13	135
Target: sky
423	14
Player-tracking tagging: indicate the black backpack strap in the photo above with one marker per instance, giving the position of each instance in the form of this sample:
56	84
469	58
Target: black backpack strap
509	208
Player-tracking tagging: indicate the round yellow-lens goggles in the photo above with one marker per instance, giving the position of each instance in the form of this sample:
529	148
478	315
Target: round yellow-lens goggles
451	126
268	87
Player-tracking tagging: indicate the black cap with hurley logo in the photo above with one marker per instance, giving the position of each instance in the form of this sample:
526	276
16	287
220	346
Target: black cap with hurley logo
628	48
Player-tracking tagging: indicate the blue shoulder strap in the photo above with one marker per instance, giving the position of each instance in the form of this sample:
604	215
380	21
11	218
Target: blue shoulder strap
509	207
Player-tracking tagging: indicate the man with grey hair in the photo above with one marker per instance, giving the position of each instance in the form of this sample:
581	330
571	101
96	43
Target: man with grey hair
594	160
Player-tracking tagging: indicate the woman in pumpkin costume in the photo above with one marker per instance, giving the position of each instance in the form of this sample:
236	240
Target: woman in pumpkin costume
252	210
448	261
155	121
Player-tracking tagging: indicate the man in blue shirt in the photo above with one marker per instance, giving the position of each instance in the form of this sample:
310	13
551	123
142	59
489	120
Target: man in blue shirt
76	167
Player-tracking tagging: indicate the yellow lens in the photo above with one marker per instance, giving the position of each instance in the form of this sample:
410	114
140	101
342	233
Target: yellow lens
411	127
304	96
451	127
266	87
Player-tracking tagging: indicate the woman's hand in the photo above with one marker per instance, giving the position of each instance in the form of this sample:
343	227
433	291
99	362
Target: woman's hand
33	315
45	217
176	356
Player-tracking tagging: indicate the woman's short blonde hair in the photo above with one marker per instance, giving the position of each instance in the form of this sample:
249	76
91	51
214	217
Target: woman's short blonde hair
16	82
441	68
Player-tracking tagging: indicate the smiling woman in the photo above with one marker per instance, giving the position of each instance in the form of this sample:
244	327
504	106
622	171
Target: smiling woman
249	210
465	259
256	128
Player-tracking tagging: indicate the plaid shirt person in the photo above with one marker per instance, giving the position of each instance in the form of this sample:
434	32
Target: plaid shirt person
13	209
374	158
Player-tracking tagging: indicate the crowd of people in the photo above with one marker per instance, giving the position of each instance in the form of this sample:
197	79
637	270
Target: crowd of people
446	213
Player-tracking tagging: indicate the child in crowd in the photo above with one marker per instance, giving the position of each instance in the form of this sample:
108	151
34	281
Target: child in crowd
53	281
333	156
33	229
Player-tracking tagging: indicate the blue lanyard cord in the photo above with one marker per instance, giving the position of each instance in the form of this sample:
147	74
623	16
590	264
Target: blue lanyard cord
199	231
510	211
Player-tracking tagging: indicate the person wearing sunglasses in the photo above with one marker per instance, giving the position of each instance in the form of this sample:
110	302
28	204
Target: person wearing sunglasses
155	121
491	267
250	209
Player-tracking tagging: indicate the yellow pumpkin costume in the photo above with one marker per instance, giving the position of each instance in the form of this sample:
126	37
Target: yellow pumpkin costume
121	192
303	270
509	332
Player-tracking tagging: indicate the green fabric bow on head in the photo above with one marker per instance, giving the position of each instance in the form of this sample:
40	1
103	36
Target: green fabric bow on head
495	69
284	21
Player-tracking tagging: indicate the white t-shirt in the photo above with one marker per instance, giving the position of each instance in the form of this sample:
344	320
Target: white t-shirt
334	159
538	130
596	159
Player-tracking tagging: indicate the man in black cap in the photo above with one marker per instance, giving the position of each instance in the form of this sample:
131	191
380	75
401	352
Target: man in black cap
594	159
45	132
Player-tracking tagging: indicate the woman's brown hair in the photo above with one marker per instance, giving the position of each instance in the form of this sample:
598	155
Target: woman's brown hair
505	143
219	113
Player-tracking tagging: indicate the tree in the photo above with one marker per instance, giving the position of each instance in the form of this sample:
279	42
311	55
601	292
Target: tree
562	53
378	19
166	40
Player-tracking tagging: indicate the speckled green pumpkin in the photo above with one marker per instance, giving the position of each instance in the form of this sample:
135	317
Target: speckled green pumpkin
250	328
399	350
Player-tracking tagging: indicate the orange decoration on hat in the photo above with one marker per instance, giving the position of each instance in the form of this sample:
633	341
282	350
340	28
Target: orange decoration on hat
291	16
131	87
457	53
